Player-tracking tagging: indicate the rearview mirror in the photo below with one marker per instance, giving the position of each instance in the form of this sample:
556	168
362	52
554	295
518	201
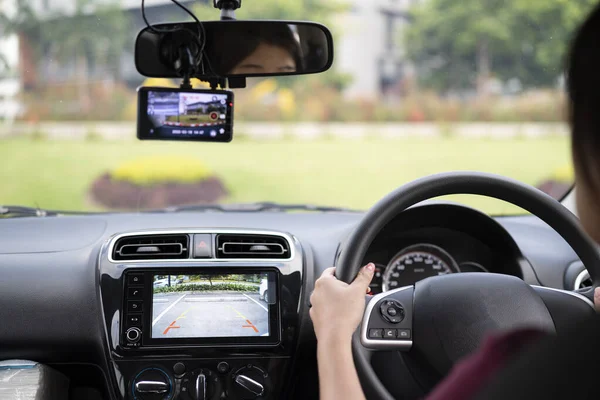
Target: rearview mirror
233	48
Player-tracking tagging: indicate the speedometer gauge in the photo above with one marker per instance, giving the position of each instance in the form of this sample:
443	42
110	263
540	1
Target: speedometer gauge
415	263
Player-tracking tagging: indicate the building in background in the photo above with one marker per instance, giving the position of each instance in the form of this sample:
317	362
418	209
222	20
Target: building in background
370	47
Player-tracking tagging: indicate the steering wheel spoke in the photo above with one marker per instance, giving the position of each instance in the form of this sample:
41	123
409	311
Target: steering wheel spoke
453	313
388	321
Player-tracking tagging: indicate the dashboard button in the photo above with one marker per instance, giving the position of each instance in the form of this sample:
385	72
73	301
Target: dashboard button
392	311
134	293
134	306
134	320
133	335
389	333
202	245
404	334
135	279
179	369
223	367
376	333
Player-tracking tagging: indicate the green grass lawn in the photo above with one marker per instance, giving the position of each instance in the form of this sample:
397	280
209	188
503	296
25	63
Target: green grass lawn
353	173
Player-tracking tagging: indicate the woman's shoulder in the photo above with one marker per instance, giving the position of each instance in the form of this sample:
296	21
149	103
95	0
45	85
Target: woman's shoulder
471	374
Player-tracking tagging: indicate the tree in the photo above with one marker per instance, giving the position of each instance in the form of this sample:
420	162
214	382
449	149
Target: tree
89	32
451	42
312	10
85	36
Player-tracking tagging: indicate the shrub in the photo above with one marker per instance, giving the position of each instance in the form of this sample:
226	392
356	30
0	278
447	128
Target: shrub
564	174
205	287
559	183
149	171
71	101
157	182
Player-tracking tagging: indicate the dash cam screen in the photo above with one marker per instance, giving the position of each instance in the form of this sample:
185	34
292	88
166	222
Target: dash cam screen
173	114
210	306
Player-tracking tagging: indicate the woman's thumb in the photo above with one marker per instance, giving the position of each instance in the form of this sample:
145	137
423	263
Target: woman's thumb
364	277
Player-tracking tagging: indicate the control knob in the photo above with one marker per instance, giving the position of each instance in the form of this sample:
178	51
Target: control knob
249	382
133	335
201	384
152	384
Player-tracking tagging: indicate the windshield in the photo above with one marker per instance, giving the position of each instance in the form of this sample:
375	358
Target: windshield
416	88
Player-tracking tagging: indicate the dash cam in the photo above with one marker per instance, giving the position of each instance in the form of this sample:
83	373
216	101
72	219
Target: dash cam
185	114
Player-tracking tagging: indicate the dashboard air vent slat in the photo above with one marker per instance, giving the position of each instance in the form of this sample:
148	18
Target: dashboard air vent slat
583	280
252	246
151	247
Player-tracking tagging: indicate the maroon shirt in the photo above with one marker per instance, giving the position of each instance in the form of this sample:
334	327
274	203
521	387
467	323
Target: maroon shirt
471	374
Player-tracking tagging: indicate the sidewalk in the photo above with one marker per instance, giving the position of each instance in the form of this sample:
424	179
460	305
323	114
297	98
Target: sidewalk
303	130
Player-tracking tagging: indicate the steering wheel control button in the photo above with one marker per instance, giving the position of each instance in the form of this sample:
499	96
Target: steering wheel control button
203	245
179	369
134	293
404	334
134	306
375	333
135	279
223	367
389	333
134	320
392	311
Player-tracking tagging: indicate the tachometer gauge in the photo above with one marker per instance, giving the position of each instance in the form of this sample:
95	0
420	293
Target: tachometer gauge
415	263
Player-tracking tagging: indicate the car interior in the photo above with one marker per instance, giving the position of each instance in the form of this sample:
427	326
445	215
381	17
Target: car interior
211	301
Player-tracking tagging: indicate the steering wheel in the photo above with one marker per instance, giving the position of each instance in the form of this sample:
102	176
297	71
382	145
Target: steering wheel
439	320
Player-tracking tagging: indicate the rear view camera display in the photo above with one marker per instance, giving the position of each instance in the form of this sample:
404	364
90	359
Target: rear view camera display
211	306
173	114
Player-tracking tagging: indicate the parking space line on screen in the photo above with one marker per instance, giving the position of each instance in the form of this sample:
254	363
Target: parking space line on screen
250	298
237	312
166	310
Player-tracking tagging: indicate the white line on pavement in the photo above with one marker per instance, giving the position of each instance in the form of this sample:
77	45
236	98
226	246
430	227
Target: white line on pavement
213	299
162	314
250	298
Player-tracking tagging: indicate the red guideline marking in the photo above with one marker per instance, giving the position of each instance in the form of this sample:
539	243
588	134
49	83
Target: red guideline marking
250	325
172	326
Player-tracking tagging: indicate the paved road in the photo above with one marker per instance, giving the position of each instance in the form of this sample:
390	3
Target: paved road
209	314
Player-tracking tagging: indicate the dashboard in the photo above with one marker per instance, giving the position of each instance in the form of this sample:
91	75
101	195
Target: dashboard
418	245
215	305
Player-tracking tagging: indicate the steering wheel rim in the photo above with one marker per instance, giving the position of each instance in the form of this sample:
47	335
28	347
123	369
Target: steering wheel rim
510	190
536	202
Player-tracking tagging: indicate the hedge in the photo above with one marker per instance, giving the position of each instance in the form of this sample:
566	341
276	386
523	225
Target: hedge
147	171
205	287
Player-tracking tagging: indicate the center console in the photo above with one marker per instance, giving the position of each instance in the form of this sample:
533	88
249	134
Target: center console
201	314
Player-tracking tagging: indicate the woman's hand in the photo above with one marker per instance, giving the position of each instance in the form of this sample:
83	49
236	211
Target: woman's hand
338	307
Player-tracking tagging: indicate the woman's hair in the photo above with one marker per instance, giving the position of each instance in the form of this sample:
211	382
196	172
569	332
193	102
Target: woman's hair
583	87
236	41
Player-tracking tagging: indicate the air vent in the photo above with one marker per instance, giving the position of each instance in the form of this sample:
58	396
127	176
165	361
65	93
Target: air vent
252	246
583	280
152	247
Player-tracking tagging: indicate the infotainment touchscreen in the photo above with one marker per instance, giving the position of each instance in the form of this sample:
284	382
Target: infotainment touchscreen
212	306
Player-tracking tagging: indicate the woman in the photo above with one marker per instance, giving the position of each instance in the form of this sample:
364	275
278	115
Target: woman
253	48
494	371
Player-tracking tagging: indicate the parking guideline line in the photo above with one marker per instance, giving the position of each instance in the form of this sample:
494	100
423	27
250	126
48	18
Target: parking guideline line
250	298
166	310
